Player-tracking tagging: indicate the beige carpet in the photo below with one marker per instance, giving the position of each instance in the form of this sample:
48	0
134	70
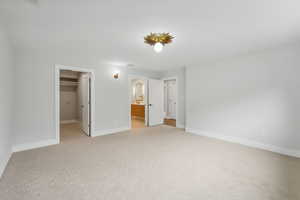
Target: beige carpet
71	133
159	163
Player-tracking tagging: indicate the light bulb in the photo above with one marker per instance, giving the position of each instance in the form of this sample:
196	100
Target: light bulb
158	47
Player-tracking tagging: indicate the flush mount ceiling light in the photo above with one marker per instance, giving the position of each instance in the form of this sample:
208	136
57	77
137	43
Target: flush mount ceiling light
158	40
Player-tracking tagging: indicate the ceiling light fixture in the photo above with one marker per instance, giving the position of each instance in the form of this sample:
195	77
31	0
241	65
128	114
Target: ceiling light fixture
158	40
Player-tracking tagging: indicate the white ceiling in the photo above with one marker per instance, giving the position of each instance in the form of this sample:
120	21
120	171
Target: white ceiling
204	29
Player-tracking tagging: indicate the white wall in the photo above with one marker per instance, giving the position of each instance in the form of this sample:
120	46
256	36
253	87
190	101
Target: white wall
145	73
69	108
252	99
180	74
6	99
35	94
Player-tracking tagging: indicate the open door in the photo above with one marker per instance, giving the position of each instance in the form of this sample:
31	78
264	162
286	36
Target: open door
85	103
155	102
171	99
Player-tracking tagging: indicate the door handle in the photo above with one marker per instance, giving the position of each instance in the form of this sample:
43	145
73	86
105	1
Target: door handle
150	104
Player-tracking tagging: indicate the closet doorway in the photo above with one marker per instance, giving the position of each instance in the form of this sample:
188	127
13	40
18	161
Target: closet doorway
170	101
74	103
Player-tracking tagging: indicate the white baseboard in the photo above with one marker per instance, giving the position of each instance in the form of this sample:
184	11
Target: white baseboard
4	163
23	147
246	142
180	125
69	121
110	131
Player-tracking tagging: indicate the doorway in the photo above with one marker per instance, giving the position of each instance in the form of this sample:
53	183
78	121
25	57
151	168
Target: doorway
170	101
138	104
146	102
74	93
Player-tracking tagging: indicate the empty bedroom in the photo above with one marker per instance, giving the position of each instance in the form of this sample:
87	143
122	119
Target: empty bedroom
149	100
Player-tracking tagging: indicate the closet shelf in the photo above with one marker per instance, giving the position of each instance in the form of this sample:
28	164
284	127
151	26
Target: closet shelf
68	83
69	76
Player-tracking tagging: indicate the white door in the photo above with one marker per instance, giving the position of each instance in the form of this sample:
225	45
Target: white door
171	99
85	103
155	102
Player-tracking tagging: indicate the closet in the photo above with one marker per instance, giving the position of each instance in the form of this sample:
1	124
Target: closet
75	107
69	103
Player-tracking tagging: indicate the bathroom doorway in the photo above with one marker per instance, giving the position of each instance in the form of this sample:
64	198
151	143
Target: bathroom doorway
146	102
138	104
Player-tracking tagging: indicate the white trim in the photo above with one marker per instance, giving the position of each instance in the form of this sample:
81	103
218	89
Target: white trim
23	147
4	163
177	94
110	131
57	69
169	78
246	142
72	121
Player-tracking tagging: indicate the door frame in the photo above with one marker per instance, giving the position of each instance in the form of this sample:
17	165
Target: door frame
176	88
145	79
57	69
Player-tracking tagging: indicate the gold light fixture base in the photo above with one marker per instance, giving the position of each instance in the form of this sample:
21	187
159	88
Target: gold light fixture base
163	38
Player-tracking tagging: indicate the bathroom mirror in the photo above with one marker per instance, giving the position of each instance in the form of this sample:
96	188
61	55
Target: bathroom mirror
138	91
